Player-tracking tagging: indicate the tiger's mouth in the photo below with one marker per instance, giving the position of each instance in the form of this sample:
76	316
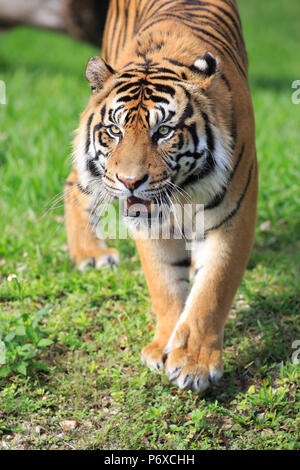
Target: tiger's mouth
136	207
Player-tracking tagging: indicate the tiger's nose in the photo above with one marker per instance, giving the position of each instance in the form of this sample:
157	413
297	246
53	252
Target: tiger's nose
132	182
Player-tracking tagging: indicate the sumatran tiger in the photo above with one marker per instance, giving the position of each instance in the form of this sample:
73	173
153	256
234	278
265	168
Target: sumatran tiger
170	122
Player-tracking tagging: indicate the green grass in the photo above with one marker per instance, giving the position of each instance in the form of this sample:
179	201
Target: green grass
73	340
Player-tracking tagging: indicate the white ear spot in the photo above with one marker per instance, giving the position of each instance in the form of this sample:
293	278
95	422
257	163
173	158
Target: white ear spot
201	65
206	64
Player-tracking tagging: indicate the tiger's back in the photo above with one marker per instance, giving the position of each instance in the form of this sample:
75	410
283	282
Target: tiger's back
214	22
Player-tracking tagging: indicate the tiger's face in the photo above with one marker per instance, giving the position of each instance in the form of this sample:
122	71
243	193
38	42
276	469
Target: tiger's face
149	136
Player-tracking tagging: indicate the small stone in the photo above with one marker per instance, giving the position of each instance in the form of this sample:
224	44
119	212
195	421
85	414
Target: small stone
38	430
68	424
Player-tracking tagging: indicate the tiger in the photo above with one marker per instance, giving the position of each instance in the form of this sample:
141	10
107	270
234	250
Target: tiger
170	120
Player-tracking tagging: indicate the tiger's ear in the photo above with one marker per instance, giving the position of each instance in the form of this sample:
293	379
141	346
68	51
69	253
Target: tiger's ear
97	72
205	68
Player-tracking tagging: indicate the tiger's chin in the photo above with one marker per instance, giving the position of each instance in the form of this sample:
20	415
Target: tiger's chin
143	215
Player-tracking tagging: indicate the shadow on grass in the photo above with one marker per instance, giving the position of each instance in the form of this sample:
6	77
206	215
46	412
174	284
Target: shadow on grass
257	342
261	337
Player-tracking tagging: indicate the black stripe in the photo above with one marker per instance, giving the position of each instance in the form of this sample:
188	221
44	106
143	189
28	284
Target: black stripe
159	99
175	62
102	111
216	200
92	168
219	197
209	134
109	179
127	86
116	110
237	162
237	206
135	90
210	161
124	99
162	70
166	78
111	70
205	171
126	25
115	21
187	113
135	86
127	75
163	112
193	131
118	35
82	189
138	83
88	138
164	88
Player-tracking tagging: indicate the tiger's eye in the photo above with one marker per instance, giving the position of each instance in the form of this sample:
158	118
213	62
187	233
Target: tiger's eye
164	130
115	130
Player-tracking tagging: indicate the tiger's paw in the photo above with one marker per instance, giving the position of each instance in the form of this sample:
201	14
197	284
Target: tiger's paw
98	259
153	357
192	365
189	373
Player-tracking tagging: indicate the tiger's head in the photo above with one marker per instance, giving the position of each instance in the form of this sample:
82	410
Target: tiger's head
154	133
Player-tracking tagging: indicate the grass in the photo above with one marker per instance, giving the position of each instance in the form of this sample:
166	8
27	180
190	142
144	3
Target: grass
71	341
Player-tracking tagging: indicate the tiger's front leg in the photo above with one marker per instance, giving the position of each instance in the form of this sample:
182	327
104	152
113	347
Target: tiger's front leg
194	348
166	265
